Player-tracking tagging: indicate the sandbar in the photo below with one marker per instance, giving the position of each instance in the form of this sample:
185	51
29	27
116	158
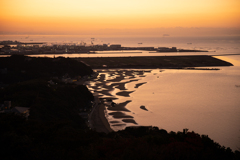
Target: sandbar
119	115
120	106
139	84
124	93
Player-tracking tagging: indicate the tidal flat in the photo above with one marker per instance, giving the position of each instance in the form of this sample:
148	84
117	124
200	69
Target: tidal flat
199	100
110	86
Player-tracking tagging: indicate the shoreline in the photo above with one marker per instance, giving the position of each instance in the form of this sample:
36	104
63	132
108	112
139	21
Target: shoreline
120	114
102	116
99	121
117	79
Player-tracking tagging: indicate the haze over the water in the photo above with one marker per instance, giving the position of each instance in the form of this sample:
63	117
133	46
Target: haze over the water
111	17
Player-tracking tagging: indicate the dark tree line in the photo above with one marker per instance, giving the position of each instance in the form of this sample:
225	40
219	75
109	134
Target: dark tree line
21	139
22	68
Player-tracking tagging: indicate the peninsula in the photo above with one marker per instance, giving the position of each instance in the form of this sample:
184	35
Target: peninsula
152	62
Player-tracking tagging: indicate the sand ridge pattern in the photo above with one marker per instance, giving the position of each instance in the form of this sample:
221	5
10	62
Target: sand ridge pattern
110	86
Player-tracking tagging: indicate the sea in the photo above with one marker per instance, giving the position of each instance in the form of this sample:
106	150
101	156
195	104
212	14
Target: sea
204	101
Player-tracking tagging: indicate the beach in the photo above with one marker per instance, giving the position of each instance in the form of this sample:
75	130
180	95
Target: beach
99	121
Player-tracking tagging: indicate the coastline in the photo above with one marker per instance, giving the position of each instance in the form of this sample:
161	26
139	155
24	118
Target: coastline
111	85
99	121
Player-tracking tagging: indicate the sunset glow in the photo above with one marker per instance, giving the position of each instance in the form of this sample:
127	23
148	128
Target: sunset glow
77	16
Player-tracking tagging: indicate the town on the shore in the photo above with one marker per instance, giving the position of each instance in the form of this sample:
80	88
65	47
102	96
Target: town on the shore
29	48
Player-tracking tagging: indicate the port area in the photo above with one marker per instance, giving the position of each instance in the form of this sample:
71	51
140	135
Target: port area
21	48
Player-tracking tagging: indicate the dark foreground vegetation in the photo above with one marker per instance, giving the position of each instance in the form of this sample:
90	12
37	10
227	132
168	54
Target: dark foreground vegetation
60	102
54	129
19	68
21	139
37	84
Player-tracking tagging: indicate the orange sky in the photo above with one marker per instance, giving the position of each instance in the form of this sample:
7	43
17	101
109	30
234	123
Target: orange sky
78	16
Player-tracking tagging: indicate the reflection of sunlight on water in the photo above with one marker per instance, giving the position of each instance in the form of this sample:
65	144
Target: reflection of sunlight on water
114	91
205	101
235	61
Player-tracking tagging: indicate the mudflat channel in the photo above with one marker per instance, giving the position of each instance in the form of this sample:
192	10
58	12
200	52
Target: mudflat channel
114	95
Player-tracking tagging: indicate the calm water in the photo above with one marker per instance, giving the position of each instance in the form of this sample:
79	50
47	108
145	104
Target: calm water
207	102
204	101
219	44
